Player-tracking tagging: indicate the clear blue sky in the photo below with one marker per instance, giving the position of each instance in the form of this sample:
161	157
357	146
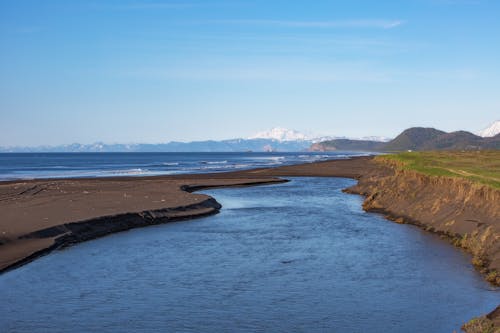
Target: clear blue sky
154	71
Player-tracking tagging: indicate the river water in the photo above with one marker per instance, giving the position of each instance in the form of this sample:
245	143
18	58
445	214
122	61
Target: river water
295	257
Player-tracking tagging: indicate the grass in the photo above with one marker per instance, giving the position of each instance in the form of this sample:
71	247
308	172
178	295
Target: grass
478	166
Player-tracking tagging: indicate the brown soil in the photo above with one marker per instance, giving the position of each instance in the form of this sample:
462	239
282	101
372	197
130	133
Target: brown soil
467	213
489	323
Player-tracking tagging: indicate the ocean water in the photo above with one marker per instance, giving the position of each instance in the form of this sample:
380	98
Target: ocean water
294	257
65	165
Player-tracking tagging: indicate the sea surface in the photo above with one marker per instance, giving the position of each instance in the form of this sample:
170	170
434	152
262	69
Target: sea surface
66	165
295	257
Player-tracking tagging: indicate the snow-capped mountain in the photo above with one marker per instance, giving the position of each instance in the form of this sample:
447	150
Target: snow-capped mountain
280	134
276	139
283	134
491	130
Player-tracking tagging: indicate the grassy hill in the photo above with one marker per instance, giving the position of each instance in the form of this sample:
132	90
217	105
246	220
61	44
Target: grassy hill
416	138
455	140
413	138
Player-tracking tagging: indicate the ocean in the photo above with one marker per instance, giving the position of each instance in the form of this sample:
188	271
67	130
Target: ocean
76	165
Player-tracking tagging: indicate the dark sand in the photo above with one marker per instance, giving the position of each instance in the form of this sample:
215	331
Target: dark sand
36	213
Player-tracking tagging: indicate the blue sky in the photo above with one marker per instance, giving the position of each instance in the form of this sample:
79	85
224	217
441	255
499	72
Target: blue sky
154	71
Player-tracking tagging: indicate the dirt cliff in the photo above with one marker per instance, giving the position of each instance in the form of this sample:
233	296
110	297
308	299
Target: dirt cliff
489	323
465	212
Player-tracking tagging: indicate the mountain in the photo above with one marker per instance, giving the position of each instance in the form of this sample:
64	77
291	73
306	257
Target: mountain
347	145
415	138
275	139
492	142
280	134
460	140
409	139
412	138
285	140
233	145
491	130
419	138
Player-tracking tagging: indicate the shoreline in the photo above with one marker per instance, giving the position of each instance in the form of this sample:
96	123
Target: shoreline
176	195
29	246
49	209
462	212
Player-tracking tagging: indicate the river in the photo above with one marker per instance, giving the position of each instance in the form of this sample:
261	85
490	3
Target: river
295	257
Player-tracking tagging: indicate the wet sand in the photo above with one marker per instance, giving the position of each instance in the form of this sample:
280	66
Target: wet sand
41	215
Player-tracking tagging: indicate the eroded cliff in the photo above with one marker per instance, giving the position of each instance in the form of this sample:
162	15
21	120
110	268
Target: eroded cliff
467	213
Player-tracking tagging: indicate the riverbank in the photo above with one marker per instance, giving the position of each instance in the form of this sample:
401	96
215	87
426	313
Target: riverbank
37	212
465	211
41	215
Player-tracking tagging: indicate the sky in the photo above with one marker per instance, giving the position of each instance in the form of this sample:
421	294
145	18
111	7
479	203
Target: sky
155	71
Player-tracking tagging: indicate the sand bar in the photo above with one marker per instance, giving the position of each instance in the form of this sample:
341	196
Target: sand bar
41	215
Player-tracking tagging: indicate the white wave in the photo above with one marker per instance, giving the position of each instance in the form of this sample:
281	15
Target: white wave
214	162
136	171
223	167
58	167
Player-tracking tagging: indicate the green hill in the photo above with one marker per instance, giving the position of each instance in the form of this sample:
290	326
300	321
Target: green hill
415	138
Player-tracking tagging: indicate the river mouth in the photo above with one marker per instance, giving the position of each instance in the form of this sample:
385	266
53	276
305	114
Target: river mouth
295	257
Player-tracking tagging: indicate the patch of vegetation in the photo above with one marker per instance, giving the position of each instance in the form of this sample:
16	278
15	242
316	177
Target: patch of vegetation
492	276
478	166
479	325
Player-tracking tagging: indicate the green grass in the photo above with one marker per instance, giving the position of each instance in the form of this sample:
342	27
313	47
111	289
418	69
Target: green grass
478	166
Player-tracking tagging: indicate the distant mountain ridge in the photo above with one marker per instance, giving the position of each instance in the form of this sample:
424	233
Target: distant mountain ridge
275	139
284	140
416	138
232	145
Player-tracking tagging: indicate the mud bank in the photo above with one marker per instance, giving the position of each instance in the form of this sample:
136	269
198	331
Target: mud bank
57	215
467	213
72	233
489	323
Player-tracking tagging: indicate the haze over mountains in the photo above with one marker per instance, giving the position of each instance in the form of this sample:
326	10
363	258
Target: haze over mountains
285	140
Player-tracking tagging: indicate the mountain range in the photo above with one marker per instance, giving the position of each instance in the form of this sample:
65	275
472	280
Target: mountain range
282	139
275	139
232	145
416	138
